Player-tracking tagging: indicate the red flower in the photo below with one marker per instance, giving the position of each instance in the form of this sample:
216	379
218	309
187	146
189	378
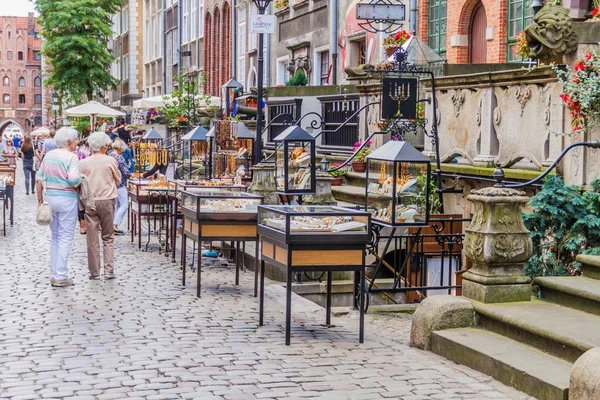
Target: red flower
398	35
579	66
595	12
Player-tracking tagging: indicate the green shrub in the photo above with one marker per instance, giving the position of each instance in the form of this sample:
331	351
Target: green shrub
564	222
299	79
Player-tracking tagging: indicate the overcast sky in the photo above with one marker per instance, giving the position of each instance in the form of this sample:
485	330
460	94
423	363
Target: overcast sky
18	8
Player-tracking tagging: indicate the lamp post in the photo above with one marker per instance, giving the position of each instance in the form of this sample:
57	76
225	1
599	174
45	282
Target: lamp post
231	85
55	106
262	7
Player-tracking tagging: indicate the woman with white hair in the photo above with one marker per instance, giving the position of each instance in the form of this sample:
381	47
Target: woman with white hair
104	177
60	171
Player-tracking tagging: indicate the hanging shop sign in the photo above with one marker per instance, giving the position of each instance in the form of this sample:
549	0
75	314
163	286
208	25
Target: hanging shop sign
262	23
399	96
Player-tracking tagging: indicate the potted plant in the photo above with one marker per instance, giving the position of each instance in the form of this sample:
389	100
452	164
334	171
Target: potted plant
281	4
338	175
359	163
392	42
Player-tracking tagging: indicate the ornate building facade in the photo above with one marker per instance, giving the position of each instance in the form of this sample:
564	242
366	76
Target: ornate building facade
22	97
218	44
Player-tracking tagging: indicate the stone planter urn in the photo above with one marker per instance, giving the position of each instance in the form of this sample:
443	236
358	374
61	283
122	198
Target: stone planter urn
499	245
359	166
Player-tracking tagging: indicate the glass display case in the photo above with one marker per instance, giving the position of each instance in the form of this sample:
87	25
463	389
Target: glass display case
140	189
313	224
220	205
295	161
232	149
7	175
399	195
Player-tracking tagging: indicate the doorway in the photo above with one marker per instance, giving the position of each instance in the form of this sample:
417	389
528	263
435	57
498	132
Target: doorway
477	36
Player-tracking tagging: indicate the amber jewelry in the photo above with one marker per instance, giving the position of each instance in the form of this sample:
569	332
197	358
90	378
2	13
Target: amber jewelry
382	173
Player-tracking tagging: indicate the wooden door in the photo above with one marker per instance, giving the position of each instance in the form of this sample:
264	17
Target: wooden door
477	33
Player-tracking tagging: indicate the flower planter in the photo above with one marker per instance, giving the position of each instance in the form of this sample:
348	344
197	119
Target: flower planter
390	51
337	181
359	166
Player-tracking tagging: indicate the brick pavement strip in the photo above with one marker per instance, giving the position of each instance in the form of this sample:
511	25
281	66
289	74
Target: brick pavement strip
144	336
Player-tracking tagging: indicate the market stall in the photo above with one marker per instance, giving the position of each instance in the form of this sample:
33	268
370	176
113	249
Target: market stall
219	215
313	238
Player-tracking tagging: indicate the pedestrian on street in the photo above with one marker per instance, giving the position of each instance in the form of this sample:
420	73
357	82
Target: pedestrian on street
28	161
47	145
103	174
17	142
83	152
121	204
10	153
61	174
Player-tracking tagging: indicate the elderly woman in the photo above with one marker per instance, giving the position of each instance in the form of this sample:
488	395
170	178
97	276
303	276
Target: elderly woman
103	175
61	173
121	205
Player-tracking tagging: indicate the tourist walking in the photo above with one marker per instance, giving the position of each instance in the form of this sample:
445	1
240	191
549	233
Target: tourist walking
10	153
28	164
61	174
83	152
103	175
121	203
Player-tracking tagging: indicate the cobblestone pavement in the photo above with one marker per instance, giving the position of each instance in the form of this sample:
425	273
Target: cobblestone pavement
144	336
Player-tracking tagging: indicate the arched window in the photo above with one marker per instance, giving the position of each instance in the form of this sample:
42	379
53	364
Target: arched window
37	81
21	81
6	81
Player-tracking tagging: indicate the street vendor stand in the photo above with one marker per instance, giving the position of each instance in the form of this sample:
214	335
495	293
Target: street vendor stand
313	238
147	199
8	176
219	215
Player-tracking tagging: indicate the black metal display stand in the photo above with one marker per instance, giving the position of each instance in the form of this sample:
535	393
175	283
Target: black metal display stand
326	251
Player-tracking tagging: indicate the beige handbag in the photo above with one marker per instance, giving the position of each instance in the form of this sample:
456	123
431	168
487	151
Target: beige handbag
43	215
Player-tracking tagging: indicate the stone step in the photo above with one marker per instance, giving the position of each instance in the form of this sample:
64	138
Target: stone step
591	265
349	194
561	331
513	363
576	292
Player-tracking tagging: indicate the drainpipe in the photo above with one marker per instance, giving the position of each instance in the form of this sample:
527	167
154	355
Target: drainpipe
179	41
333	23
414	10
164	48
234	39
268	64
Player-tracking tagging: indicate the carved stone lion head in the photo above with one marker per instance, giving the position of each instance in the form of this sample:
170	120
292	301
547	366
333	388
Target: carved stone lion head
551	33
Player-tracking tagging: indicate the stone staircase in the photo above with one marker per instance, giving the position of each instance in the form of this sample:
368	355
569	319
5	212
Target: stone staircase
532	345
353	189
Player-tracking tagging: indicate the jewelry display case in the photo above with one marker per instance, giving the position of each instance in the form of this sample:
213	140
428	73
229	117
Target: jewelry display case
192	186
295	161
219	215
232	149
399	195
148	199
313	238
7	175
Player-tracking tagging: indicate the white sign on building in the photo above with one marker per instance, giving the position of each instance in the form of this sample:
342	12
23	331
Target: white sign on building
262	24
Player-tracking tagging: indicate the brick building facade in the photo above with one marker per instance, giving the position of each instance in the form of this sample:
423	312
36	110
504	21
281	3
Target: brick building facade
20	73
217	45
478	31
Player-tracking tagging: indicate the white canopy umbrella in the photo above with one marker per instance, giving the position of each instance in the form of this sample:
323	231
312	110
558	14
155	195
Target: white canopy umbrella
160	101
93	109
41	131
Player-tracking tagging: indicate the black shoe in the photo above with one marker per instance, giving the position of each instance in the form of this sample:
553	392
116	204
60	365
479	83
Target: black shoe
26	193
119	232
33	192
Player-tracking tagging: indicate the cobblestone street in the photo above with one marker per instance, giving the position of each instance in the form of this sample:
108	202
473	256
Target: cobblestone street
144	336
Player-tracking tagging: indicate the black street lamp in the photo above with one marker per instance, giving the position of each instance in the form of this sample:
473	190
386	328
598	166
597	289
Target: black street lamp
231	86
262	7
55	106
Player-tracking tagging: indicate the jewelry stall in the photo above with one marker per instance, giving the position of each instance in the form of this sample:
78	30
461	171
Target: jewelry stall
313	238
219	215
